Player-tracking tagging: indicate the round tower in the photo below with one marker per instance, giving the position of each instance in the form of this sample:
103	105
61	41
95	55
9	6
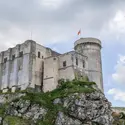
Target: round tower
91	47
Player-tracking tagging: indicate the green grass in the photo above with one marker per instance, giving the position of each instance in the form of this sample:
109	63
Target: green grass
12	120
3	109
64	90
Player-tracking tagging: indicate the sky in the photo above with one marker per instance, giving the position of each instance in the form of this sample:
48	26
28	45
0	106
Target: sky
55	23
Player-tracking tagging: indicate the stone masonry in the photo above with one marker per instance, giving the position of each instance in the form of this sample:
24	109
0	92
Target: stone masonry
33	65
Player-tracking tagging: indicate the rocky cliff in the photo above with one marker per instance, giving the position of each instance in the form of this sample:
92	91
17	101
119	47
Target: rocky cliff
72	103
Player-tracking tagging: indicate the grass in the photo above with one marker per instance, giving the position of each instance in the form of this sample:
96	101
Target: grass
12	120
64	90
46	100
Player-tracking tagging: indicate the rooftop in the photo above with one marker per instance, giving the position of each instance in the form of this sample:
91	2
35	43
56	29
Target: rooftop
87	40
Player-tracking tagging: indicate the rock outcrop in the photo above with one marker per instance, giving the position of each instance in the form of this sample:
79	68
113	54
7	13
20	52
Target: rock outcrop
26	110
85	108
72	105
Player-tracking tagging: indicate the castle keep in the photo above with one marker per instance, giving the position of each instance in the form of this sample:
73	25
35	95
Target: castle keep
33	65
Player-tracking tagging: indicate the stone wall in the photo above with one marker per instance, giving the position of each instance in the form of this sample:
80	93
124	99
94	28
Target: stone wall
23	66
15	67
75	62
51	73
55	69
91	47
33	65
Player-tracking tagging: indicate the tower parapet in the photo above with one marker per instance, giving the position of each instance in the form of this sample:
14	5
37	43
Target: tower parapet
91	47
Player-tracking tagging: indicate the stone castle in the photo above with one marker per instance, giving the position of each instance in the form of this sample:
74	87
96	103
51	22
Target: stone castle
33	65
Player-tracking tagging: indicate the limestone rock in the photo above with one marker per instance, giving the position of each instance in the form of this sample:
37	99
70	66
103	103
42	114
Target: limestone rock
24	108
35	112
57	101
73	109
8	98
93	108
65	120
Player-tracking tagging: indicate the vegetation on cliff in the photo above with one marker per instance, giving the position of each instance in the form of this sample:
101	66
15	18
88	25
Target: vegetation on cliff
64	89
21	110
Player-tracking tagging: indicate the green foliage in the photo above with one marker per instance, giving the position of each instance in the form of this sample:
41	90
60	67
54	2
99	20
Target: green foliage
3	109
120	119
60	82
122	115
12	120
119	122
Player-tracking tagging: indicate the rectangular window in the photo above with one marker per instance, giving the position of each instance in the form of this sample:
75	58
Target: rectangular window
64	64
83	64
38	54
77	61
21	54
5	60
13	57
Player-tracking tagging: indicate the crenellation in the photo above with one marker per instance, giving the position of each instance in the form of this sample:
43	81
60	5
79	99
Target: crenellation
32	65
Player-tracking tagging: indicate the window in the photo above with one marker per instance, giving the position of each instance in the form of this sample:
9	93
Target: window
38	54
21	54
54	58
5	60
42	57
11	67
83	64
20	67
64	64
77	61
13	57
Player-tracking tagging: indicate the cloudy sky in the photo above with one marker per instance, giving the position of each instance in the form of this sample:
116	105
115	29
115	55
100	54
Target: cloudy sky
55	23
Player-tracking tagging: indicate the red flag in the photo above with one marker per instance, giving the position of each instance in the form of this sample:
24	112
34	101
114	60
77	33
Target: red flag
79	32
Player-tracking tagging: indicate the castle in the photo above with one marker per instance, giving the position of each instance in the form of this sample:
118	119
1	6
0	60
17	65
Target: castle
33	65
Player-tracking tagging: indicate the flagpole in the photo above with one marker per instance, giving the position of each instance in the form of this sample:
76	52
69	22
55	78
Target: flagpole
31	34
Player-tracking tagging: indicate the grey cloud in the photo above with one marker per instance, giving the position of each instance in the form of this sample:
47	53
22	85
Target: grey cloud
54	25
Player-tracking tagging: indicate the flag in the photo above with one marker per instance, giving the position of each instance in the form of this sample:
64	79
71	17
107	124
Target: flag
79	32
